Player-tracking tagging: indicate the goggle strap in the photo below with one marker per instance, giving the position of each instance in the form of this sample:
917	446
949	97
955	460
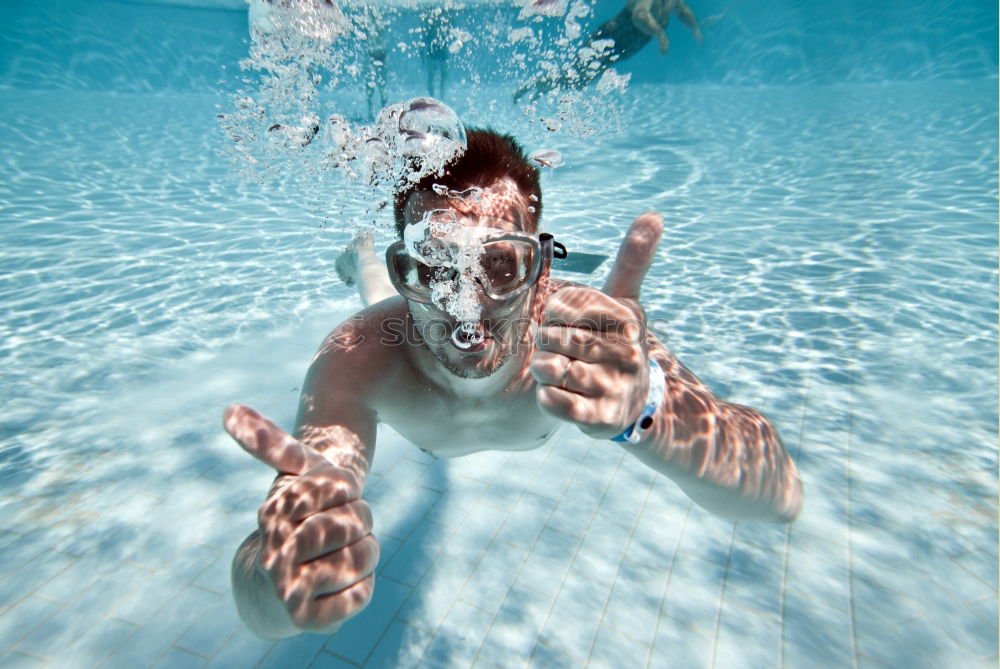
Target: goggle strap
550	249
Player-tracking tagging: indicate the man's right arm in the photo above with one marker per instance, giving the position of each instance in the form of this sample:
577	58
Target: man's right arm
310	564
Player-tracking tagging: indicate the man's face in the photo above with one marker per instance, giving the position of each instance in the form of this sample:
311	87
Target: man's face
502	324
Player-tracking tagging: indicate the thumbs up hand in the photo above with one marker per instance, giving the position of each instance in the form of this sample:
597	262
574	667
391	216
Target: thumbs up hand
316	542
591	360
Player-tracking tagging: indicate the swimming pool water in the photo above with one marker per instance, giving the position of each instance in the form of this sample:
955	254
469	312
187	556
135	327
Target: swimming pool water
830	257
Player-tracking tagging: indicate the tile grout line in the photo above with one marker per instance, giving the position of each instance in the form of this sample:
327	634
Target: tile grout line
493	538
722	594
788	527
433	633
569	565
534	543
457	598
850	544
666	582
631	533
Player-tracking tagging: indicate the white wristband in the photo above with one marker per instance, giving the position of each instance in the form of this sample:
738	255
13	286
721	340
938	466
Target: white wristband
657	385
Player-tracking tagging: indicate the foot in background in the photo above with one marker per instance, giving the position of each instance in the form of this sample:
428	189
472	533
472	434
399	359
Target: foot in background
358	264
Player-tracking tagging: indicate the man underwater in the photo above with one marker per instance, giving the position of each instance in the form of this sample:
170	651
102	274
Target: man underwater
535	354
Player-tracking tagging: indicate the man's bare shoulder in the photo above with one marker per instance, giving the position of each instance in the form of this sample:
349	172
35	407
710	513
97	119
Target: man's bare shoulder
361	357
368	333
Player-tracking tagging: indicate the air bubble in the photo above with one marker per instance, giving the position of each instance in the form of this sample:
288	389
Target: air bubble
337	133
431	130
298	135
470	195
540	8
375	151
547	158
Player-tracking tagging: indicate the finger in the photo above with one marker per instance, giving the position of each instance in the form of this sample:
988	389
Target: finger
318	490
274	532
635	255
584	344
567	374
337	607
332	572
590	309
267	442
550	369
560	403
325	533
593	416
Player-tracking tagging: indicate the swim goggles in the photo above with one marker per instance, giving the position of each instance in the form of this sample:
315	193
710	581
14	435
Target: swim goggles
504	264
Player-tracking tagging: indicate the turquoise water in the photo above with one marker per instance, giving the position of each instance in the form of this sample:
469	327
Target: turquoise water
828	180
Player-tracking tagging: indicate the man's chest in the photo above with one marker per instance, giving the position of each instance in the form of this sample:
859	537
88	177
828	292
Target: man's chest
449	428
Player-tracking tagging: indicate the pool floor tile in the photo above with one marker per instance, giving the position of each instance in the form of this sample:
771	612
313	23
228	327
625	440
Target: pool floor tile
32	575
575	510
100	641
545	657
599	555
633	606
475	533
429	603
613	649
417	554
358	637
814	634
159	633
209	632
679	645
15	660
178	658
402	645
459	637
526	520
296	651
242	649
493	576
24	617
747	638
514	633
581	601
548	562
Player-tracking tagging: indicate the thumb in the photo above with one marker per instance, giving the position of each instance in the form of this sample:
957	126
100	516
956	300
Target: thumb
269	443
635	255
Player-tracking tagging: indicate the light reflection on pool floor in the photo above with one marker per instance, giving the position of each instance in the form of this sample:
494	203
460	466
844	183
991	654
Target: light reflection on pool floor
830	258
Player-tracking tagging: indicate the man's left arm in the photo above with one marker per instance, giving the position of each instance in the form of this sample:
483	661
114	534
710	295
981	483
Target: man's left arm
726	457
592	365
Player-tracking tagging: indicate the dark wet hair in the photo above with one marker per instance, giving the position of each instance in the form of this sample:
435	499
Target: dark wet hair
489	157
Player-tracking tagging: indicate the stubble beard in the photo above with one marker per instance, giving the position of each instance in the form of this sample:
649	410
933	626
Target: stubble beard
474	372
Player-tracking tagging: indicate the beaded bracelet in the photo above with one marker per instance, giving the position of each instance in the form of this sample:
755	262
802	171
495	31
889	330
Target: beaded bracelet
657	384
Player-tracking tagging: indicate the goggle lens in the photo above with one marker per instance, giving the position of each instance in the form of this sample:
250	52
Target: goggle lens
506	265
